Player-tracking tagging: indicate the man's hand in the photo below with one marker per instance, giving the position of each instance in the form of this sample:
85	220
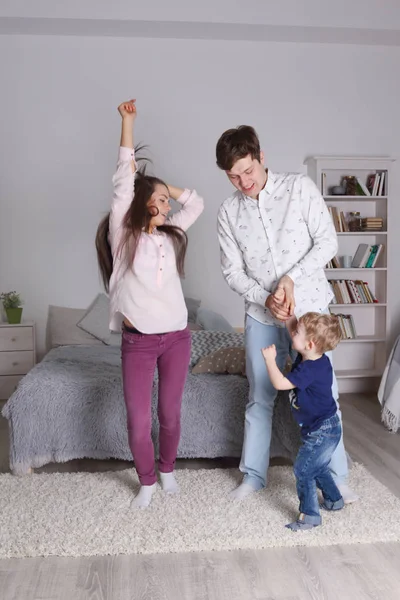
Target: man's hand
286	286
277	307
127	110
269	353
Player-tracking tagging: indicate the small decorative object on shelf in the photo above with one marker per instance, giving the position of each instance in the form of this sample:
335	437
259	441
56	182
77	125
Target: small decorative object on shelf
338	190
346	261
12	304
355	221
350	184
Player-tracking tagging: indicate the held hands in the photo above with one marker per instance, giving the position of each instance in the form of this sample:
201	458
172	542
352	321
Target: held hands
269	353
127	110
281	303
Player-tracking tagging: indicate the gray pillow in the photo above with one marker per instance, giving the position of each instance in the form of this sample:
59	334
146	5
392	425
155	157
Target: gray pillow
62	330
205	342
230	360
212	321
192	306
96	321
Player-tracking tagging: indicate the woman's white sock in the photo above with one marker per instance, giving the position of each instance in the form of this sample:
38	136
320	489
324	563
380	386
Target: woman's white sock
169	483
143	498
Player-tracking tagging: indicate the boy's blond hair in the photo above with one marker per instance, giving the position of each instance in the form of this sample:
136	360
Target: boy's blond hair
323	330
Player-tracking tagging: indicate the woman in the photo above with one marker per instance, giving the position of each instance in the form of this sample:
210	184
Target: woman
141	253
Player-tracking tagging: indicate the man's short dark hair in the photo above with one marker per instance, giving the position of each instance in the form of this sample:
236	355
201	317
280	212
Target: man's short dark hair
235	144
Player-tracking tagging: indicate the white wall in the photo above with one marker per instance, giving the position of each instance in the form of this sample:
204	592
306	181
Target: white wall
59	135
369	14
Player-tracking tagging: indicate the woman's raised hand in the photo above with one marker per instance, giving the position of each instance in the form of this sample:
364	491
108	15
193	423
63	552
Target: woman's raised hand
127	110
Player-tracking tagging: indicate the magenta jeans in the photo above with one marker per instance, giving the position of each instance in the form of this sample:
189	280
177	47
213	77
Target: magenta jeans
140	355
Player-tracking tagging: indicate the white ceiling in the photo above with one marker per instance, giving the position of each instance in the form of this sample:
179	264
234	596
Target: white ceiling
371	22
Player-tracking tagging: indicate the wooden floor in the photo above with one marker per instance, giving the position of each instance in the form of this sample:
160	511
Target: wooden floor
330	573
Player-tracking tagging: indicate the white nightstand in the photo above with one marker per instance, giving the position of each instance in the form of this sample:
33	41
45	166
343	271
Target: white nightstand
17	355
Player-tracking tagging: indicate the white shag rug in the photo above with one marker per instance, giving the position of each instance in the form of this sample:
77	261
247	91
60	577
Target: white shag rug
83	514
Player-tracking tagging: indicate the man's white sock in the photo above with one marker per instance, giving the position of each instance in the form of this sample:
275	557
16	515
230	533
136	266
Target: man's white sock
242	491
347	493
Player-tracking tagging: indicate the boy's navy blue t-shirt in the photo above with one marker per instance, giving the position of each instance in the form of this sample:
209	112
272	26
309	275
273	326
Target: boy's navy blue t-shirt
312	401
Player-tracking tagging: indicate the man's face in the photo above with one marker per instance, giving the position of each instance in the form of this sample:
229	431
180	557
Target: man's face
248	175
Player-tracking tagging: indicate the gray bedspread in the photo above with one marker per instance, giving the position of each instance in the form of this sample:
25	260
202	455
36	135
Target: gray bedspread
71	406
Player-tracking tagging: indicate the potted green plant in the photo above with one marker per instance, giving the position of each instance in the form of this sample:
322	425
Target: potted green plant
13	306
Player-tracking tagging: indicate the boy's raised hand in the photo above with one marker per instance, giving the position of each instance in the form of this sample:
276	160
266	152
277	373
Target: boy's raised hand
269	353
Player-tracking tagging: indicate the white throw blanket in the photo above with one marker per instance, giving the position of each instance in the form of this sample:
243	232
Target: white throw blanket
389	390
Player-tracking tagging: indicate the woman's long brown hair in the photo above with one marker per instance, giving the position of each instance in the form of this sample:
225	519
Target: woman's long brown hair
136	221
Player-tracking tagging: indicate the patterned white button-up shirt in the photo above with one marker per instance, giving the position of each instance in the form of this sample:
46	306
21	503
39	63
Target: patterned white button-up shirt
288	231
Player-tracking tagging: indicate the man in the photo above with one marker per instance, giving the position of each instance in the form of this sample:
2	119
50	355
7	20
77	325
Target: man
276	236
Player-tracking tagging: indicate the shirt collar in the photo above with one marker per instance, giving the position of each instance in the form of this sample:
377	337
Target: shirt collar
267	189
154	232
269	186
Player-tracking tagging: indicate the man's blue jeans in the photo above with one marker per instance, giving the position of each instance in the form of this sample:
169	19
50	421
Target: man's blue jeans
259	410
311	469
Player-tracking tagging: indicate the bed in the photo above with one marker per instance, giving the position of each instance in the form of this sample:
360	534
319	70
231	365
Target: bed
70	406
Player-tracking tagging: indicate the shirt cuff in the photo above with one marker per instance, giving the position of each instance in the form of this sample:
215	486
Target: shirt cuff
295	274
261	297
184	197
126	154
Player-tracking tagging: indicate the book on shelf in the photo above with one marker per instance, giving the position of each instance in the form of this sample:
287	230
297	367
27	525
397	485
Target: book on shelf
347	327
339	219
376	183
362	189
348	291
372	223
333	264
366	256
381	183
323	184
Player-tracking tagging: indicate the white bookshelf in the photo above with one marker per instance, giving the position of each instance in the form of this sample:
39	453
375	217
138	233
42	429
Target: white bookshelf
359	362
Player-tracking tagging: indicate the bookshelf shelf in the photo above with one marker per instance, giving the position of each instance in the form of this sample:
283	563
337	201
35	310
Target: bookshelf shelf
362	304
356	365
355	198
357	373
365	339
364	233
352	269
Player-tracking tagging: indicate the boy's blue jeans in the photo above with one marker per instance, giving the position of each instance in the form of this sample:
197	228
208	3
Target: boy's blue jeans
311	469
